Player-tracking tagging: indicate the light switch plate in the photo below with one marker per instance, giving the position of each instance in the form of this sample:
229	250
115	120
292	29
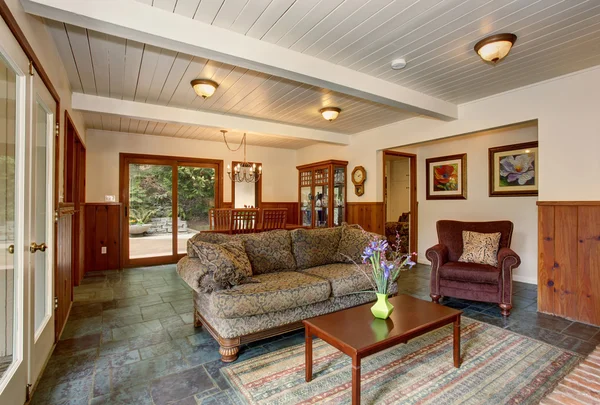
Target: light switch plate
109	198
103	251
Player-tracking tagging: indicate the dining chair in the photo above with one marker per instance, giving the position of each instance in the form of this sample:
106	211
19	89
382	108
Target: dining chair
244	220
219	219
273	218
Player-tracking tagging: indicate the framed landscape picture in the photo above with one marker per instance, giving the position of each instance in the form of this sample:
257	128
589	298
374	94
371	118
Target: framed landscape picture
447	177
514	170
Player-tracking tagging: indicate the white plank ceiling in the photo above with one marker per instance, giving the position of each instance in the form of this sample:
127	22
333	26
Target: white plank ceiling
109	66
436	37
116	123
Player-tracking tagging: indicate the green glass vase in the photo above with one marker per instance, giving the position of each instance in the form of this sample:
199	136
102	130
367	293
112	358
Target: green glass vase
382	308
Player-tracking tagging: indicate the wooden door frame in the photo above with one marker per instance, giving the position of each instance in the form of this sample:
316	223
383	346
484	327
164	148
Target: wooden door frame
414	204
258	185
174	162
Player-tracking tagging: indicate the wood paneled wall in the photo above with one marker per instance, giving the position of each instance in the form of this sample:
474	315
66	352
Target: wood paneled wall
64	266
369	215
102	229
569	259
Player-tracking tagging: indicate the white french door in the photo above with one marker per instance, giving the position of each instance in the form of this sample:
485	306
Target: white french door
27	121
39	200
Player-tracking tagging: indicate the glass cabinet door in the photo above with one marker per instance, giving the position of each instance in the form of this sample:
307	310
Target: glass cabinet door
339	196
321	204
306	198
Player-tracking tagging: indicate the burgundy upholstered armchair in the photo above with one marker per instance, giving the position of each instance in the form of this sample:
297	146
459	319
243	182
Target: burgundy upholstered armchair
472	281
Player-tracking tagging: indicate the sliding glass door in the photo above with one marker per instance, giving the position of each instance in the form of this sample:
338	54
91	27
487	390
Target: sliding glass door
166	201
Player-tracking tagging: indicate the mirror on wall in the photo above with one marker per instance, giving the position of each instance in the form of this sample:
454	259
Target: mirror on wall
246	195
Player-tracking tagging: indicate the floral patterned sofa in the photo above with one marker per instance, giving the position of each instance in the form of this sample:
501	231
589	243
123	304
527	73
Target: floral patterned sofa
295	275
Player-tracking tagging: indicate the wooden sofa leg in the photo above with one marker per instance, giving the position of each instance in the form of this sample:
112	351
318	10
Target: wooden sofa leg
229	349
505	309
435	298
197	320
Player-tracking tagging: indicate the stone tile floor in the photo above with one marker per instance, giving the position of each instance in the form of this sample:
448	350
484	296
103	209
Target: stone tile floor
130	339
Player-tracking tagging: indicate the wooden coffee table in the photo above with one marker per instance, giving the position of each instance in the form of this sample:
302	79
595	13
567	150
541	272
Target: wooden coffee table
358	334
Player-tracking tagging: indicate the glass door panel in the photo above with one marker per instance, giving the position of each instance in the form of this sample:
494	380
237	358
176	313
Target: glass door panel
40	233
150	210
321	205
196	190
8	276
339	196
306	206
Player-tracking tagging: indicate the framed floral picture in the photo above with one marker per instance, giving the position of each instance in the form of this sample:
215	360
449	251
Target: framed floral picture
447	177
514	170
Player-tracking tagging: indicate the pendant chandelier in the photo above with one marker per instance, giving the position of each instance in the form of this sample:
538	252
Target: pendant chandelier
242	172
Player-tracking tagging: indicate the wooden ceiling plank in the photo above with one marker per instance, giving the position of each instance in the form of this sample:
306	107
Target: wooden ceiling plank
178	70
248	16
208	10
59	34
150	58
297	11
83	59
187	8
274	11
164	66
133	63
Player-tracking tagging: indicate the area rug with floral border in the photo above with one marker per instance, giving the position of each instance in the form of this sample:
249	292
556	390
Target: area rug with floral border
498	367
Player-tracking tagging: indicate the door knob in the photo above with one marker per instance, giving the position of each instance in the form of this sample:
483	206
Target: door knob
11	249
34	247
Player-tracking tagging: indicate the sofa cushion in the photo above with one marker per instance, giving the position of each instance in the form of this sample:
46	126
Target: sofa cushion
210	237
269	251
225	257
480	248
352	244
315	247
345	278
469	272
275	292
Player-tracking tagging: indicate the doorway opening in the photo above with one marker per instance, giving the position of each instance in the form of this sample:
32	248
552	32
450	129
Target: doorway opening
400	206
165	202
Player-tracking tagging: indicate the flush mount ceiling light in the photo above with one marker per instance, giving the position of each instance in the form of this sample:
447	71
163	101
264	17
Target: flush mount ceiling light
398	64
330	113
204	87
495	47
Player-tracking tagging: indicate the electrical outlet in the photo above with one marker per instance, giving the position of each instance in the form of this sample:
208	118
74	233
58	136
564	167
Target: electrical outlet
109	198
103	250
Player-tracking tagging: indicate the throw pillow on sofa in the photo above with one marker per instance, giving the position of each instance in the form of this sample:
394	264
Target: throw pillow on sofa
210	237
226	262
353	243
315	247
480	248
269	251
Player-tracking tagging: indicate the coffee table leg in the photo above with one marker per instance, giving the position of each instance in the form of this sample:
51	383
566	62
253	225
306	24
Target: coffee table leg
356	380
457	342
308	354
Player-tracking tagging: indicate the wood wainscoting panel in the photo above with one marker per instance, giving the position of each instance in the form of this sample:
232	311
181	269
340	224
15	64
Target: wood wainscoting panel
292	209
63	284
369	215
102	230
569	260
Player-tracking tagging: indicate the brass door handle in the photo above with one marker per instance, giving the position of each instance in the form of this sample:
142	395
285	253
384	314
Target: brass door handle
34	247
11	249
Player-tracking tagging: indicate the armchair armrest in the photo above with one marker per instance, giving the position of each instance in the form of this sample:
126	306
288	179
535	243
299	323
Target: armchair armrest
507	260
437	255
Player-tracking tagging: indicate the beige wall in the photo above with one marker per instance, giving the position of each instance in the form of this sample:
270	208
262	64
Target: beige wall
479	206
43	45
568	130
280	177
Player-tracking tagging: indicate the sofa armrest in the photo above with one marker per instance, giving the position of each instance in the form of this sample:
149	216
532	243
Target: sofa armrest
507	261
437	255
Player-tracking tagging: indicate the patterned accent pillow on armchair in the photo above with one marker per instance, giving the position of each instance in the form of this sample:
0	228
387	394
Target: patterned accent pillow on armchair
481	248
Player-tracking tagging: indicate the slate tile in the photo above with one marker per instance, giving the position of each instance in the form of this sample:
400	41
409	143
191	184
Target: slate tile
283	343
165	289
82	327
119	322
150	339
61	369
101	382
121	312
149	352
140	301
63	392
157	311
85	311
188	317
203	353
180	385
114	348
147	370
176	296
172	322
72	345
138	395
183	306
581	331
576	345
120	360
138	329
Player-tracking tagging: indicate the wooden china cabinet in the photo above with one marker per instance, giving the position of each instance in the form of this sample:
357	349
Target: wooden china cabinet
322	193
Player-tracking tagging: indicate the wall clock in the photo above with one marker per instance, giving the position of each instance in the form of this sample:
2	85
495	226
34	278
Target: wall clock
359	175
